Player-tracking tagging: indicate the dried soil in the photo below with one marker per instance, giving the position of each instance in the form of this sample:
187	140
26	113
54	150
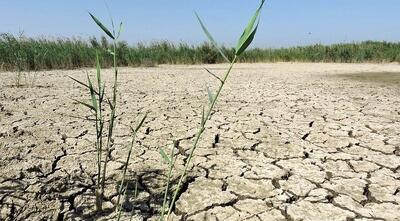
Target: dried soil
287	141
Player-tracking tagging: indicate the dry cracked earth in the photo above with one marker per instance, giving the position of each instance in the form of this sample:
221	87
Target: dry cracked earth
286	142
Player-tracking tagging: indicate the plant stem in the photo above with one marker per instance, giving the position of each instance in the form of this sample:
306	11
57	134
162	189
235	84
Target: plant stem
198	136
99	144
98	150
135	196
124	174
112	118
171	167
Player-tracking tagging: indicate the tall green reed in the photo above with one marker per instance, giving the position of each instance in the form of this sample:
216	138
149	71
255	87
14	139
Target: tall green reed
243	43
113	103
97	99
17	56
77	53
99	102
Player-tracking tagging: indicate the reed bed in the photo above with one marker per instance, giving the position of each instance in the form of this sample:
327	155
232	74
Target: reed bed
19	52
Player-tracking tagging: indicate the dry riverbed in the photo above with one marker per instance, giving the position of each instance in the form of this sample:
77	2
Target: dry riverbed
286	142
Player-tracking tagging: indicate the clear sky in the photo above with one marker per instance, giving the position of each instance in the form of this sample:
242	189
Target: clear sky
284	22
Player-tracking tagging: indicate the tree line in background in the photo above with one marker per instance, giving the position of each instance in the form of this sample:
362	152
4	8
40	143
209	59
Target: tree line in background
22	53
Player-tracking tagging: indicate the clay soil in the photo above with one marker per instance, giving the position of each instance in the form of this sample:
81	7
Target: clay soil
287	141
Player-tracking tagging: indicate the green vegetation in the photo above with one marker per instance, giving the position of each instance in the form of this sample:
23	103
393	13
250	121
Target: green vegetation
46	54
18	58
98	107
99	103
368	51
243	43
95	105
25	54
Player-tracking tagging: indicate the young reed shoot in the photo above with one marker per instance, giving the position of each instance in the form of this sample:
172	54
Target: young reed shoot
243	43
98	100
99	103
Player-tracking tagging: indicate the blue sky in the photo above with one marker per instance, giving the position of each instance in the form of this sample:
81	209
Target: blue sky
284	22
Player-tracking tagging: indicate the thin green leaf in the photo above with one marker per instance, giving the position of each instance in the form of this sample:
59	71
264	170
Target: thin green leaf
98	72
202	117
110	104
136	189
111	18
213	42
132	129
172	157
253	20
212	74
248	31
141	122
110	52
210	95
164	156
83	84
92	94
119	30
248	41
79	82
97	21
102	92
85	104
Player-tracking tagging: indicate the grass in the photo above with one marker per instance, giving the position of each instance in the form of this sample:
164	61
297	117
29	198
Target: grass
71	53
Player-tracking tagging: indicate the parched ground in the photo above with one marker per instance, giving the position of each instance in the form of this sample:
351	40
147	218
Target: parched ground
286	142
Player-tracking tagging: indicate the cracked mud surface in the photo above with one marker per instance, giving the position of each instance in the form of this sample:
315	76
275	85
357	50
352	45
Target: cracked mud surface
286	142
